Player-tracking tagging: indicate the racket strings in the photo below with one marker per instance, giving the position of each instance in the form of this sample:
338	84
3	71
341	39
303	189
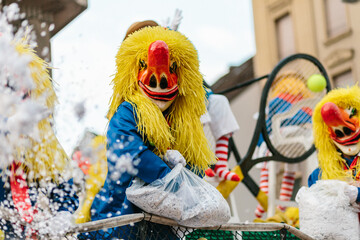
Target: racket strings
287	90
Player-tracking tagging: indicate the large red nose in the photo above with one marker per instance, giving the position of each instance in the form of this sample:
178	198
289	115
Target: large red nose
158	54
334	116
158	73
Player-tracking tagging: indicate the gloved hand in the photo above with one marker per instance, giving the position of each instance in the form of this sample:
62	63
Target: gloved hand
352	192
173	157
57	226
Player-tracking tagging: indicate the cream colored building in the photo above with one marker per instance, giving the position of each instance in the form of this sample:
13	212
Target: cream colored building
326	29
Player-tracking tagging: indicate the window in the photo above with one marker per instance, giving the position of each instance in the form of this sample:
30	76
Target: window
285	36
344	79
335	13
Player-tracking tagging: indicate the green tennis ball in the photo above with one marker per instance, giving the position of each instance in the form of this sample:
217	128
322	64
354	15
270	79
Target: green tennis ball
316	83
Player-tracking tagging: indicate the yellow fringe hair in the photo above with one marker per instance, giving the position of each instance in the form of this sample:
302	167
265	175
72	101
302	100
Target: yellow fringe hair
330	160
185	133
47	158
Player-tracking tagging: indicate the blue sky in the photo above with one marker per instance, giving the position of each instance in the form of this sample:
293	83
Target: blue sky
83	53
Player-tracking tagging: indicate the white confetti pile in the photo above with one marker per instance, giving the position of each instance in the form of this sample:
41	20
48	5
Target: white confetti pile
326	213
182	196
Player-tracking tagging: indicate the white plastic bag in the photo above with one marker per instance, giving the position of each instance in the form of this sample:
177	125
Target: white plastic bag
326	213
183	196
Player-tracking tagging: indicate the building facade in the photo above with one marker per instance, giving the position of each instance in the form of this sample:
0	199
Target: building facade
326	29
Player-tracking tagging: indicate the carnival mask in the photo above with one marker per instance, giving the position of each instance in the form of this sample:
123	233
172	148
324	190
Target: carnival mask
157	76
343	127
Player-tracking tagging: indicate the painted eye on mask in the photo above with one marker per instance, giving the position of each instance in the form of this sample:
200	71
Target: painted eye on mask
142	65
173	68
351	111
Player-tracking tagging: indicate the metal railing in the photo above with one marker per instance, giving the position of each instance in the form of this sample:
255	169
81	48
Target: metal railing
148	226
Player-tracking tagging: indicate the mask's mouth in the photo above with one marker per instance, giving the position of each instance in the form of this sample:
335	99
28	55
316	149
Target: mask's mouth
161	96
354	139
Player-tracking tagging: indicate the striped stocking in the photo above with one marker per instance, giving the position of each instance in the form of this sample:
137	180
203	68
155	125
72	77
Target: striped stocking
221	166
287	186
264	186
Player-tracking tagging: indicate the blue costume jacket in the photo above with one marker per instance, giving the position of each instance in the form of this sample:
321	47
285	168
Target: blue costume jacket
125	145
316	175
129	156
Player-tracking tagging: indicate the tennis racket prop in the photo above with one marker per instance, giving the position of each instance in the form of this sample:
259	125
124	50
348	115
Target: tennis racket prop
283	130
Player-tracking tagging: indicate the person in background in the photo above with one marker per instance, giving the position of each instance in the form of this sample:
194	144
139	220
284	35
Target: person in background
36	188
153	120
223	124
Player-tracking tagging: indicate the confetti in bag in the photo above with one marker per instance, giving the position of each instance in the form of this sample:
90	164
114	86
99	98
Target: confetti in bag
326	213
183	196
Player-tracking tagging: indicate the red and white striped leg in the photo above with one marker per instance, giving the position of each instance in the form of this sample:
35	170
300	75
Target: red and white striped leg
264	186
287	186
221	167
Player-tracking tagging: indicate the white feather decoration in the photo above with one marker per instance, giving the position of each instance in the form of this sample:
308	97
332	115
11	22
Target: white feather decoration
175	22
